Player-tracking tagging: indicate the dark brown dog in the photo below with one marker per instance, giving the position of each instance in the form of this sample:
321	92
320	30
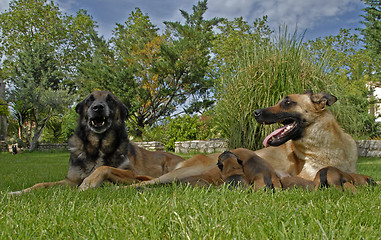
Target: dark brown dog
332	176
100	149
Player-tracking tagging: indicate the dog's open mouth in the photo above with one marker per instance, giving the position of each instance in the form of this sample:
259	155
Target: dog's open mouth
99	124
282	134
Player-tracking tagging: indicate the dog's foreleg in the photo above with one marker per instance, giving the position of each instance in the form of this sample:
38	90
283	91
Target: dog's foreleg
112	174
177	174
43	185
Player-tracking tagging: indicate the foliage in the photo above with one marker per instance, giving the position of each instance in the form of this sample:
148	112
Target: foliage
28	22
372	30
182	128
353	70
233	38
35	95
188	58
41	49
60	127
4	111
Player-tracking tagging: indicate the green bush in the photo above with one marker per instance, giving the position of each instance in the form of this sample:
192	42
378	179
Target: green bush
182	128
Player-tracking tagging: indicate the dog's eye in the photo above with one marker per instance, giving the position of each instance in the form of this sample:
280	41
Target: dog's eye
90	99
110	99
287	102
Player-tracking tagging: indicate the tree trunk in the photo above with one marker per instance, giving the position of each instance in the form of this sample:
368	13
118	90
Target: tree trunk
3	118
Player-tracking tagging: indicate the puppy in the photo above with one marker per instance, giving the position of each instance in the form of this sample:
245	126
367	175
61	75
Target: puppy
332	176
296	182
232	170
260	173
254	171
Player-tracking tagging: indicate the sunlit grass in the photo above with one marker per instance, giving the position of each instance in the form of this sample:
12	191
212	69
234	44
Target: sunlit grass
178	211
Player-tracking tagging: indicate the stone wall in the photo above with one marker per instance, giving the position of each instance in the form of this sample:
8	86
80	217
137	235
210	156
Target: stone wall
366	148
151	146
52	146
369	148
211	146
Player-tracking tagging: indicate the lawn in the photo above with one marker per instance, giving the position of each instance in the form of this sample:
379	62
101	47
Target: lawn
178	211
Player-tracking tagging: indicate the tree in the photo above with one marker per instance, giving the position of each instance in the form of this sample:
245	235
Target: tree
35	93
372	30
352	68
30	21
189	54
234	37
153	73
41	49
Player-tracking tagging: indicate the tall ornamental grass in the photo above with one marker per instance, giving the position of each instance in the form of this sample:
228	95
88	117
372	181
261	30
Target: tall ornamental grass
260	76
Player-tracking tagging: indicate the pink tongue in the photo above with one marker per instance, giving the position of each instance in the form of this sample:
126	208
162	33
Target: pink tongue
276	132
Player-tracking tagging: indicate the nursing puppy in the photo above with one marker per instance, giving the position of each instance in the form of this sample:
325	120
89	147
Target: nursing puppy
254	171
232	170
332	176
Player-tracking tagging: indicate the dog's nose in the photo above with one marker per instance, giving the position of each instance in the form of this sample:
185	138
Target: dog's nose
257	113
98	107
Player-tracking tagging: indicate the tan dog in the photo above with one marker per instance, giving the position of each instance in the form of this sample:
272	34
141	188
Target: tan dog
100	149
310	139
332	176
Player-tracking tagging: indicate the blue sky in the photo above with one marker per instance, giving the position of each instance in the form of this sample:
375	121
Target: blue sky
319	17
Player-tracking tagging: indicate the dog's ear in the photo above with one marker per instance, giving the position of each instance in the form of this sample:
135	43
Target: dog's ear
79	107
123	111
309	92
220	166
323	99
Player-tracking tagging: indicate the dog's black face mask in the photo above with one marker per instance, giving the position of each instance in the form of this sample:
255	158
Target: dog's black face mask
295	112
293	125
99	115
100	110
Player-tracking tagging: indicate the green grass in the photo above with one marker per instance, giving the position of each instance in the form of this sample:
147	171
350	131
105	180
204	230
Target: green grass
178	212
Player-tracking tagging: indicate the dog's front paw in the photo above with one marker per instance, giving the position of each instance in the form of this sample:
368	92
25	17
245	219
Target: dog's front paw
86	184
89	182
17	193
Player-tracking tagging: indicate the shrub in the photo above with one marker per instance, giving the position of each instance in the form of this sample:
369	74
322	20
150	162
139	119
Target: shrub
182	128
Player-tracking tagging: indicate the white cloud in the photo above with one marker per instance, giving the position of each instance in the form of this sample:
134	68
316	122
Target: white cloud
303	13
